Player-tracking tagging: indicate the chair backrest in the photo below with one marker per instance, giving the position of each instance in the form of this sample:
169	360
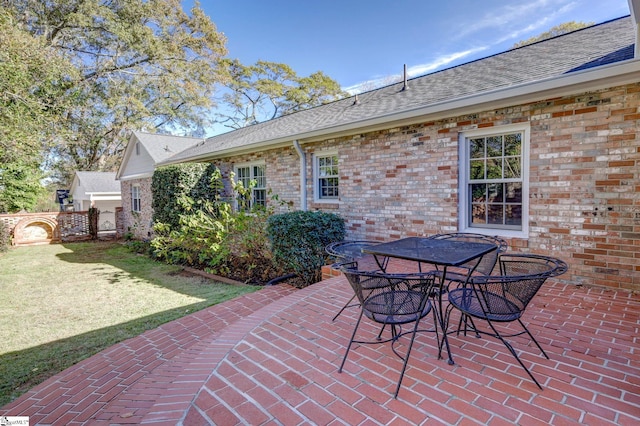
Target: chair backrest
389	298
489	260
521	276
351	251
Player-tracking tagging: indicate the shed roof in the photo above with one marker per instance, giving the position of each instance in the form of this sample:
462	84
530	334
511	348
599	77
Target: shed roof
577	52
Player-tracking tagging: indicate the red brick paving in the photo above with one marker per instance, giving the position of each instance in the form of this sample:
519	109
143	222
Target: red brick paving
271	358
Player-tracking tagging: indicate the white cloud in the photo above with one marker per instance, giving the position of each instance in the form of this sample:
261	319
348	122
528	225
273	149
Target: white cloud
412	71
511	23
512	16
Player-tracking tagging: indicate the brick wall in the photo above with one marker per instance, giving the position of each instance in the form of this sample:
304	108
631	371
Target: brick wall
139	224
584	181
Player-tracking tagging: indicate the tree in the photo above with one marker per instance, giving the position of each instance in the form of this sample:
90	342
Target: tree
140	64
32	96
267	90
560	29
20	187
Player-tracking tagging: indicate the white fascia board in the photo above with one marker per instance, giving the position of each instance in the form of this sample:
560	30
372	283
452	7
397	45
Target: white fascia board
580	81
136	176
126	156
104	196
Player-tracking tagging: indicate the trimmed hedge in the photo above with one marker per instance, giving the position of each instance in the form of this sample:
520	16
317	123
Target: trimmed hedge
170	183
5	237
298	240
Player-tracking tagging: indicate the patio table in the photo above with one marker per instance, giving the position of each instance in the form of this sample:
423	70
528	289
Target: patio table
440	253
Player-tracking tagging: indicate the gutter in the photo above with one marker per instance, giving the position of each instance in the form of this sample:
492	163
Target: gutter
587	80
303	175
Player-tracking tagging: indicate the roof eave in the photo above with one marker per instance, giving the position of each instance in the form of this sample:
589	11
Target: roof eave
587	80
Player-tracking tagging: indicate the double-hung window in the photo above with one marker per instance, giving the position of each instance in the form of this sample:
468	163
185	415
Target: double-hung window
135	198
326	177
494	181
255	174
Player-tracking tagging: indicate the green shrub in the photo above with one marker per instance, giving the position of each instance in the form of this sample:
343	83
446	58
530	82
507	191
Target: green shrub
213	237
298	240
5	237
196	181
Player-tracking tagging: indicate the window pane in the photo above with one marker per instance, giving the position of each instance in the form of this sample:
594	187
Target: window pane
513	215
478	214
513	144
478	193
513	192
495	214
476	148
260	197
494	146
494	168
477	169
513	168
329	188
259	175
495	193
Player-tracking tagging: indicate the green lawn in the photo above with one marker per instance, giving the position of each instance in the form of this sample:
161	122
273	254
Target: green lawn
62	303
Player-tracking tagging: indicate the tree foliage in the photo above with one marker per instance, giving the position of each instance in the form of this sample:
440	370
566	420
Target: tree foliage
140	64
267	90
171	184
33	77
560	29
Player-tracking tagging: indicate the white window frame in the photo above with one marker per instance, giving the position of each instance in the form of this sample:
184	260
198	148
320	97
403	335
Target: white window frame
463	182
317	196
136	204
252	176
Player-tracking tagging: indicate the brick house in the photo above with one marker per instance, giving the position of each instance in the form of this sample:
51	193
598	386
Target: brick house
143	153
538	144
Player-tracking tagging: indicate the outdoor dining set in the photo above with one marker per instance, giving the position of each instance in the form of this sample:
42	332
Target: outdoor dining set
469	273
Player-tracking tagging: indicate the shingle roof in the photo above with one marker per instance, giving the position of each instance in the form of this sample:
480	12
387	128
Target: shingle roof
98	181
590	47
160	147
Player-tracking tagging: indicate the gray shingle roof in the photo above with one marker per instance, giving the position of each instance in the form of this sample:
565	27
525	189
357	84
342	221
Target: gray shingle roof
160	147
594	46
98	181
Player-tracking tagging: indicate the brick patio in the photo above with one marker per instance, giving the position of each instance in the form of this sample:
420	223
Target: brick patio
271	357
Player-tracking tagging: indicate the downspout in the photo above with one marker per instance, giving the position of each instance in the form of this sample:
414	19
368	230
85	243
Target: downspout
303	176
634	9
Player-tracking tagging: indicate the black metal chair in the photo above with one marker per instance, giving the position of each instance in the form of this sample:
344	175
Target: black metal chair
503	298
351	251
389	299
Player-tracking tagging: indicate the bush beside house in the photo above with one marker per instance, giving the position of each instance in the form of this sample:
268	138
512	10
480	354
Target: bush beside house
298	240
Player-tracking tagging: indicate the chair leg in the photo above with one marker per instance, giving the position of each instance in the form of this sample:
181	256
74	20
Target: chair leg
533	338
344	307
513	352
353	335
406	358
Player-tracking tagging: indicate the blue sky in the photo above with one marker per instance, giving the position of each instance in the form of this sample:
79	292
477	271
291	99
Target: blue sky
355	41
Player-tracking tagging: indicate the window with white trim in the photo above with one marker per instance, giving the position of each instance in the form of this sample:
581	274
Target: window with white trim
256	173
135	198
494	181
326	176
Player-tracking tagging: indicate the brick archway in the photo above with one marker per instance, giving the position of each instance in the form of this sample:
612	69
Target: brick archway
36	230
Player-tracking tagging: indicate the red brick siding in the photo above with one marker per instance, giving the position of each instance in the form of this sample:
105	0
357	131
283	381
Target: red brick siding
584	181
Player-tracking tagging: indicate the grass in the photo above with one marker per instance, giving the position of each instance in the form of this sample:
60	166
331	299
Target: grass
63	303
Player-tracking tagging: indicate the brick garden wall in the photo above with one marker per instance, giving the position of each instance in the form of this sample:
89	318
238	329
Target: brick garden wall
584	181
